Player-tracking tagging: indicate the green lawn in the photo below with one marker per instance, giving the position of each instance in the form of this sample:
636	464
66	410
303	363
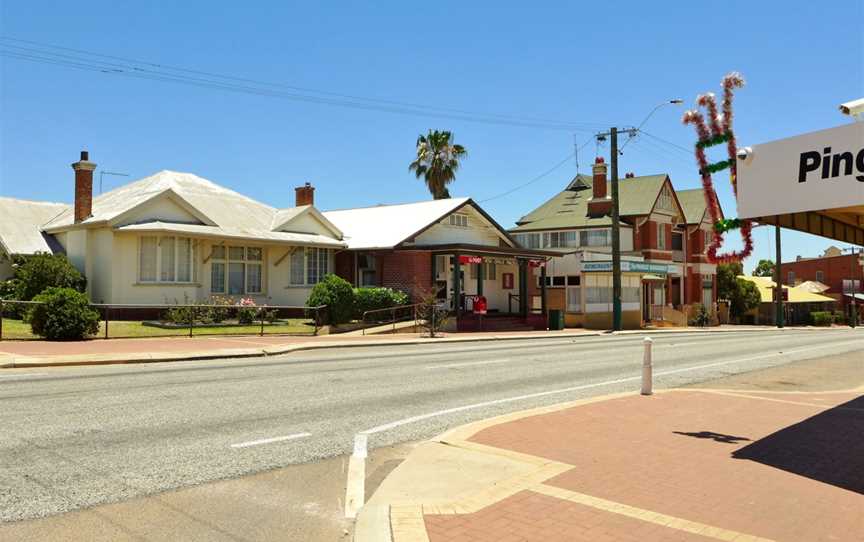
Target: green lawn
16	329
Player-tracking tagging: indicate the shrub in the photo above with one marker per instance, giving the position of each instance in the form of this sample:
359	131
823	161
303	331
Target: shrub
821	318
701	318
247	312
337	294
33	274
369	299
839	317
63	314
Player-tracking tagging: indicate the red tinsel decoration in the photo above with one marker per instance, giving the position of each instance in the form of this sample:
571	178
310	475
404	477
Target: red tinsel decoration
719	125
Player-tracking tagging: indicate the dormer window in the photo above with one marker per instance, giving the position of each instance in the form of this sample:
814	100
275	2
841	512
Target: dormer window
458	219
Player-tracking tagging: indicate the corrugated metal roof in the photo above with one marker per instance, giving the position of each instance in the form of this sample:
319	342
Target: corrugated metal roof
796	294
385	226
235	233
569	208
693	204
20	225
221	206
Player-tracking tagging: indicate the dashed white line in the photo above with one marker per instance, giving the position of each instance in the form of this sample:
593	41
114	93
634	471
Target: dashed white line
270	440
469	363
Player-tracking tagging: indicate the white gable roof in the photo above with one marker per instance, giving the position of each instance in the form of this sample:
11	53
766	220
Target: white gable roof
20	225
385	226
207	204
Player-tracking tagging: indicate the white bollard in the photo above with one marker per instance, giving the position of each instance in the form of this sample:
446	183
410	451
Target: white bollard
647	370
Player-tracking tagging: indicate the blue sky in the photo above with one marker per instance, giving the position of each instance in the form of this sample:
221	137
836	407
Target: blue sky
568	62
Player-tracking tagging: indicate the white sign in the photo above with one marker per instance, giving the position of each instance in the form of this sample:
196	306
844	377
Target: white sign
811	172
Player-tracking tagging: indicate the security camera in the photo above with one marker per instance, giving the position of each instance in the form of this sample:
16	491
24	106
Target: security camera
854	108
744	153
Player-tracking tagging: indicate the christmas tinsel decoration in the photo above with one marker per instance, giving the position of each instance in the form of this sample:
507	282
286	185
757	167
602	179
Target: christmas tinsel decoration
717	131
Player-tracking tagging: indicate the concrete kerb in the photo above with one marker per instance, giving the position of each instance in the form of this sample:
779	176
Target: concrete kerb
8	361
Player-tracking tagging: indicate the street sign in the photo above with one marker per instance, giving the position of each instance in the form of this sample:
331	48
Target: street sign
810	172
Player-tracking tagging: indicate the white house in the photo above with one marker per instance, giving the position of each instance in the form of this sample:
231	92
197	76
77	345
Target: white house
174	236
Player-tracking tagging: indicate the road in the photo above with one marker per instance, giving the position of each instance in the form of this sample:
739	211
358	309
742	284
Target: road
77	437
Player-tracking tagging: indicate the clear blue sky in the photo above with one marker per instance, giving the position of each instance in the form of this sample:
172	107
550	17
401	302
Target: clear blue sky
585	63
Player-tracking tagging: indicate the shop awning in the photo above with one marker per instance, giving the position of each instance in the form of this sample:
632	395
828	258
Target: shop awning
484	250
653	278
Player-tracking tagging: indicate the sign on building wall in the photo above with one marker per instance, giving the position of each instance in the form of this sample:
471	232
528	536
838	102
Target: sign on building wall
627	267
811	172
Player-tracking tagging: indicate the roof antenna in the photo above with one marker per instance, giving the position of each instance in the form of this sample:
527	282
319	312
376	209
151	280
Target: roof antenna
102	173
576	153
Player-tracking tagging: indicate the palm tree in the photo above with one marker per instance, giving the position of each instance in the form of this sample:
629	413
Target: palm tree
437	161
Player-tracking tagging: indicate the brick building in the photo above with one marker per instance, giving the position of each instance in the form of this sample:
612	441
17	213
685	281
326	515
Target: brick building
842	273
450	248
664	235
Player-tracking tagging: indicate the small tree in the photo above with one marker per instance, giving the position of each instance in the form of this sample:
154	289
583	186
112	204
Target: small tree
765	268
33	274
432	315
63	314
744	298
337	294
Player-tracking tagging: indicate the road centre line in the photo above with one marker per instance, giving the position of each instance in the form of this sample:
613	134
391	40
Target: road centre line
412	419
270	440
448	366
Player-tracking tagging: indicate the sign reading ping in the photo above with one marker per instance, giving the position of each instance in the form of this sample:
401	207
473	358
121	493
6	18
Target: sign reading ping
831	165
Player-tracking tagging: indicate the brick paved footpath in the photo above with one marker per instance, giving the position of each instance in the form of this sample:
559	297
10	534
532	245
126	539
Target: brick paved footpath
679	465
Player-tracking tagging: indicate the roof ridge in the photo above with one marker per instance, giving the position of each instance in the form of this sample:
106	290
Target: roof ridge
378	206
35	201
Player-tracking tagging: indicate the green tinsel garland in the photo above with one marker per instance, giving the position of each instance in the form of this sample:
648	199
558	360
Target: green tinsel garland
715	167
725	224
715	140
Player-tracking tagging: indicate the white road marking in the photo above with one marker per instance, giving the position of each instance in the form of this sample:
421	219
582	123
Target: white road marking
23	375
468	363
412	419
270	440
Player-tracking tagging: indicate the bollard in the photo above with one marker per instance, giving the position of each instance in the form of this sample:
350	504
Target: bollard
647	370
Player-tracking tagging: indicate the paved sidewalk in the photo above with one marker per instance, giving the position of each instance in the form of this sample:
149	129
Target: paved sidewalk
37	353
693	464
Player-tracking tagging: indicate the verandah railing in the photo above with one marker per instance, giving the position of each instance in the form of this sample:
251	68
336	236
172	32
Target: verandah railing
161	320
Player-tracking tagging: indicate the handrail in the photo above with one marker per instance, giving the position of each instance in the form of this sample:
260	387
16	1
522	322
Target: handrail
392	311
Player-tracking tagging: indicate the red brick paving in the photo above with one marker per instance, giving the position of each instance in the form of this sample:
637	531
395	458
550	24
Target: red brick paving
800	475
533	517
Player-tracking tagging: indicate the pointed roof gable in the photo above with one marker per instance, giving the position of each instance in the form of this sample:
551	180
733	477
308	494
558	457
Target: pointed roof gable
569	208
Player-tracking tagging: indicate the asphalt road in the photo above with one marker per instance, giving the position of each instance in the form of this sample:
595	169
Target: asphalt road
77	437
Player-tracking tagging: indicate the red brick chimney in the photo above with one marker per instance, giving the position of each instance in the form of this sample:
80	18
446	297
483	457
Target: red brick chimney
600	204
305	195
83	187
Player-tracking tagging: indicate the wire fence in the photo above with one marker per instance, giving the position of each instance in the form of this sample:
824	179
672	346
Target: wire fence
155	320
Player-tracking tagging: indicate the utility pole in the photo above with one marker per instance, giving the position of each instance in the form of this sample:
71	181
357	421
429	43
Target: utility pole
853	318
778	285
616	239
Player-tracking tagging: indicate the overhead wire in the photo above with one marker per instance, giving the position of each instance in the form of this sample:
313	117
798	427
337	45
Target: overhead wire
116	65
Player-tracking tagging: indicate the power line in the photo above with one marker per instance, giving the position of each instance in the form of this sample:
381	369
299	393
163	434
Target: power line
115	65
688	152
532	181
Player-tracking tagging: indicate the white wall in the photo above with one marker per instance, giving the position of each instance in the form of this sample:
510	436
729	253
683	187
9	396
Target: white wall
164	209
479	231
100	258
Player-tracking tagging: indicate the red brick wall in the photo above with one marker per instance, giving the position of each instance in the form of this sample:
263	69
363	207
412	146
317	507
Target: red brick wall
834	270
408	271
343	266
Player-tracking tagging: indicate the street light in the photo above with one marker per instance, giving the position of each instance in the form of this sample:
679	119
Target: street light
616	229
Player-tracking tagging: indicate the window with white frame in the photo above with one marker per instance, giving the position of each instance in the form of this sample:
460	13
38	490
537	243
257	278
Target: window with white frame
820	276
457	219
595	238
661	236
308	266
236	270
790	278
560	239
166	259
490	271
